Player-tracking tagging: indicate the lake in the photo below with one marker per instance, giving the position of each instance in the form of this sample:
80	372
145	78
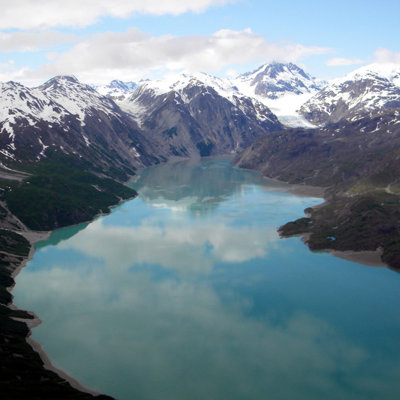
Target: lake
187	292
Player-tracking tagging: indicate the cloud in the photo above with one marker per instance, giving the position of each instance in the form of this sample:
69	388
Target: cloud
28	14
385	56
343	62
125	54
31	41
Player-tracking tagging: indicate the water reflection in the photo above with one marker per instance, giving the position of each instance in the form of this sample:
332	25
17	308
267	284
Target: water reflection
194	186
187	248
156	301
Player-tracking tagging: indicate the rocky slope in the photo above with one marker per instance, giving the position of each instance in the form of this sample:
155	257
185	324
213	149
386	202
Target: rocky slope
276	80
65	116
283	88
365	91
198	116
337	153
193	116
358	164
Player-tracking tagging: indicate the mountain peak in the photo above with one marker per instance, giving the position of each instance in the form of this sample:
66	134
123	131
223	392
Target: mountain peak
389	71
117	90
369	89
64	79
61	82
275	68
276	80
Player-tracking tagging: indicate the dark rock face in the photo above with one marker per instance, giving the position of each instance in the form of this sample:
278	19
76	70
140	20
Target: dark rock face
337	153
197	121
66	116
358	163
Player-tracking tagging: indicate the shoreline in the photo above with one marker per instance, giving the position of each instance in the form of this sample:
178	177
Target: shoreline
295	188
47	364
34	237
369	258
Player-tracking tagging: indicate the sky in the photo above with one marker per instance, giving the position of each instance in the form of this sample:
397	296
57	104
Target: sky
101	40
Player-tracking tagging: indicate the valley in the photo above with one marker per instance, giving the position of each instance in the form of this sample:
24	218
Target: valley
70	147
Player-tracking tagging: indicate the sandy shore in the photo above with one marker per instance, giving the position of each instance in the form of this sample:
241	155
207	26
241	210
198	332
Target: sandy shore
34	237
369	258
47	364
366	257
297	189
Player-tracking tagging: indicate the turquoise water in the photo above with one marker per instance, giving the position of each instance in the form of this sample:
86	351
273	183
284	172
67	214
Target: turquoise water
187	292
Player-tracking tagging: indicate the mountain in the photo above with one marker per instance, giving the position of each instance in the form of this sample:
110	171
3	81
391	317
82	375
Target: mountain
198	116
357	163
64	115
116	89
276	80
365	91
337	153
281	87
189	117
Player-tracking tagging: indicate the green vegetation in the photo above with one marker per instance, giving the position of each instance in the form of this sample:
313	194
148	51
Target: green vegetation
13	249
58	194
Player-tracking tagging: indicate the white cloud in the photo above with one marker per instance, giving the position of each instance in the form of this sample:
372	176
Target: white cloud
386	56
112	54
28	14
343	62
31	41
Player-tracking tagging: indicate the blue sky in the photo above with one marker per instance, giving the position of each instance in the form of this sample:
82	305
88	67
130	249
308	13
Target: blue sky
99	40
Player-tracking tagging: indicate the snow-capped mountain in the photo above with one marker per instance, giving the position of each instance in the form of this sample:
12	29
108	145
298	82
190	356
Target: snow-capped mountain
185	115
68	116
367	90
281	87
116	89
192	116
276	80
198	115
77	98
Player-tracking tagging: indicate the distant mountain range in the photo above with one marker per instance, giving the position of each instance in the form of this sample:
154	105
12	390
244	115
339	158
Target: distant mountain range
125	125
352	152
294	96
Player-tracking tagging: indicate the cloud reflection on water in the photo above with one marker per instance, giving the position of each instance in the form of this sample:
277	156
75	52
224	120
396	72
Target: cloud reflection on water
172	339
187	248
129	331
